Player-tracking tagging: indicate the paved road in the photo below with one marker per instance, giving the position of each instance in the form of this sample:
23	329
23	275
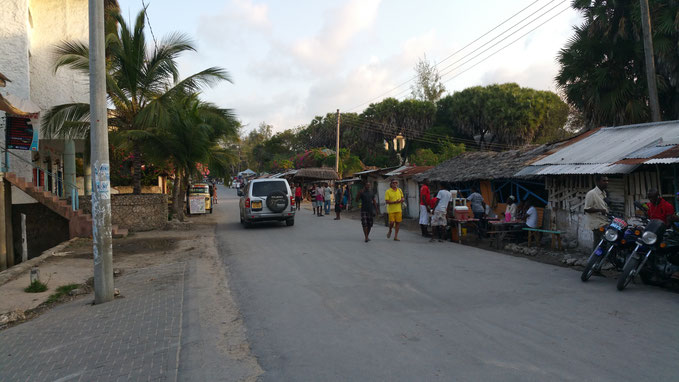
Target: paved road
321	305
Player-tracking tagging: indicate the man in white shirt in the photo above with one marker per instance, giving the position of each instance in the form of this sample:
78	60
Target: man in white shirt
439	220
531	215
596	208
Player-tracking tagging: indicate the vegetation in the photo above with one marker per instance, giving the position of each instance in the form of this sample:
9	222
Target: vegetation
61	292
36	287
142	84
602	67
428	86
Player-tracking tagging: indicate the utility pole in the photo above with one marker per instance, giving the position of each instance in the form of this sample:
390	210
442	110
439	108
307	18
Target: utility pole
101	194
337	144
650	62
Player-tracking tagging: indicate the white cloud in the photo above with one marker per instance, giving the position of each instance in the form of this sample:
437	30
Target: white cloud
324	50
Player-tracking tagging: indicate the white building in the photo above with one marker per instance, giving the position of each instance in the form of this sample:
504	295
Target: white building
29	32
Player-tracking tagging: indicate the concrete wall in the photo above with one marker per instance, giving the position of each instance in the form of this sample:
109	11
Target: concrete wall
44	229
135	212
55	21
575	225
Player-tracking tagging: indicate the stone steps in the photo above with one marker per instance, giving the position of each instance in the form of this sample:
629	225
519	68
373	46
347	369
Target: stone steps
79	223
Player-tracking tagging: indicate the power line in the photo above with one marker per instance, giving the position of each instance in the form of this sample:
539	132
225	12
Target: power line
463	48
497	43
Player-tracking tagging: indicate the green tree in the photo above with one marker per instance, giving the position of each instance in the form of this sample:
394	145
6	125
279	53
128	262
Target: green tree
427	86
189	136
140	84
602	67
506	114
424	157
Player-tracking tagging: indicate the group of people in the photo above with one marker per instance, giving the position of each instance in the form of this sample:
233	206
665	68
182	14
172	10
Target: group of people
321	196
597	208
393	198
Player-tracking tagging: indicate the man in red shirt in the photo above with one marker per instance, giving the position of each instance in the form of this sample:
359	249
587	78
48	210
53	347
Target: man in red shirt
659	208
425	197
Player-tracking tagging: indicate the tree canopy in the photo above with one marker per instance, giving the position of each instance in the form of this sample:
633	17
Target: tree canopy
602	67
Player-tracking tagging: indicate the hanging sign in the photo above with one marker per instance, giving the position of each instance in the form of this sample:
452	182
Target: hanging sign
20	134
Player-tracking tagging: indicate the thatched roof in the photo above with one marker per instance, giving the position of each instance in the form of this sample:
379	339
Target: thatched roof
484	165
319	173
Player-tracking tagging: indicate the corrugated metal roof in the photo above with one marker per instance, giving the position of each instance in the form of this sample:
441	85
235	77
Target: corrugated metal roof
662	161
648	152
573	169
612	150
611	144
408	170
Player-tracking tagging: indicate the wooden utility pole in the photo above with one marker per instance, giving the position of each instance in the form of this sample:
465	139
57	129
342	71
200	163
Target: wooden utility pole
650	62
337	154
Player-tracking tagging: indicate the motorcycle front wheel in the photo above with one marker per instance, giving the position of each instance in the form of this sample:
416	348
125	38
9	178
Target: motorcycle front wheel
592	264
628	273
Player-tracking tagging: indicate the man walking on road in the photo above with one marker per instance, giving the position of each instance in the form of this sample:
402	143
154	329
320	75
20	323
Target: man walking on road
440	219
319	199
339	195
327	198
312	195
425	196
596	208
394	197
368	209
298	196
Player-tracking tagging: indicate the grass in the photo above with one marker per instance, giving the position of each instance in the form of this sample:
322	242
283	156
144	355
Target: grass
62	291
36	287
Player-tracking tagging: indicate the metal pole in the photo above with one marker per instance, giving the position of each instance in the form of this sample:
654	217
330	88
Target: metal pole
650	63
101	196
337	153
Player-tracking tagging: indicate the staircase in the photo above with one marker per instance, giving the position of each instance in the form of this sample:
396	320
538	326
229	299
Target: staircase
79	223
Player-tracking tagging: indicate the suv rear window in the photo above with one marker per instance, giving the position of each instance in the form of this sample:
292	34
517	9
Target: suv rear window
261	189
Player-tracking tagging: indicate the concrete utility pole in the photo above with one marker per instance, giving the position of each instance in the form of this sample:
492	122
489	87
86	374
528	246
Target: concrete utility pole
337	145
650	62
101	194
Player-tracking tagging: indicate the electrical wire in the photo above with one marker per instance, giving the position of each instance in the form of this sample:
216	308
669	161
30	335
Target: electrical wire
463	48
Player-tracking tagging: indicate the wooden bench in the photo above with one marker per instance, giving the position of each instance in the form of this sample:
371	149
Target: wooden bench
533	235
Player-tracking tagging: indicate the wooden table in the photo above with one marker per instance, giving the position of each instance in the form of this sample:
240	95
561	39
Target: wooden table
501	229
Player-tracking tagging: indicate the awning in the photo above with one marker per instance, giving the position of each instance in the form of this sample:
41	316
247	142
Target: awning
19	107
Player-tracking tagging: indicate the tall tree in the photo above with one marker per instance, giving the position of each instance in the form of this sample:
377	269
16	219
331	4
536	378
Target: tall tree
428	85
192	132
506	114
602	67
140	84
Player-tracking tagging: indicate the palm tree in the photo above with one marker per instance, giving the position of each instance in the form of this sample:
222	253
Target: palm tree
190	134
140	82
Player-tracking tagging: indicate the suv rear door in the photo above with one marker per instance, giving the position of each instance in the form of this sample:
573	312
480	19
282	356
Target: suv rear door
261	190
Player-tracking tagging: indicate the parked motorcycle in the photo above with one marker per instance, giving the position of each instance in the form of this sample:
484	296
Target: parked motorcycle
617	242
655	257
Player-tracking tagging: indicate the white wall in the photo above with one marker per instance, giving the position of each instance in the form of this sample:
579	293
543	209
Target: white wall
55	21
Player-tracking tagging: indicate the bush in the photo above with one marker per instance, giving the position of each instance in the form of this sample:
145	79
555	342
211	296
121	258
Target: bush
36	287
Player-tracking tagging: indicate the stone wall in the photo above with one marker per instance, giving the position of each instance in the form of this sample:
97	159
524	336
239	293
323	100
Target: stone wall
144	212
44	229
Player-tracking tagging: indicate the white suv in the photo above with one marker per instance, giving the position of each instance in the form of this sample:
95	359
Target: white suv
266	199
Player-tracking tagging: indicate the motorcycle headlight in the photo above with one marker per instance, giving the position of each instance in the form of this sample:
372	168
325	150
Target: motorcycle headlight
649	238
611	235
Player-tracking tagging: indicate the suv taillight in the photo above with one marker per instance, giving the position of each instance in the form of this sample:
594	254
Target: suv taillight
292	201
247	203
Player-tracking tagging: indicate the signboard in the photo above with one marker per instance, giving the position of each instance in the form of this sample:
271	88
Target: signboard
197	204
20	134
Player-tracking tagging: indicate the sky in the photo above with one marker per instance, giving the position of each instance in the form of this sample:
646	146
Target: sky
292	60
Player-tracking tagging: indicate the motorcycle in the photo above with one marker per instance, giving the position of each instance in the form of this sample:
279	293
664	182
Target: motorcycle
655	257
616	244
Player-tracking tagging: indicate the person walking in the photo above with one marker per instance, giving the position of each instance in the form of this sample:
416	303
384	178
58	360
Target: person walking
319	199
394	197
312	195
298	196
425	197
369	209
214	192
596	209
439	220
339	195
327	198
